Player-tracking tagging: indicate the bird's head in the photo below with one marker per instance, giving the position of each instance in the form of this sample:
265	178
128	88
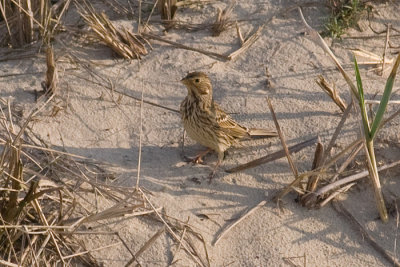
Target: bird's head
198	85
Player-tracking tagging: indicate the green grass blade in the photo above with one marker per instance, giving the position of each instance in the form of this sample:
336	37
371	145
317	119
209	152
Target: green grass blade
361	102
385	99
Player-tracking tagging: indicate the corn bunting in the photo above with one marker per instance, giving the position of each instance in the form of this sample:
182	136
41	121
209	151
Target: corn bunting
206	123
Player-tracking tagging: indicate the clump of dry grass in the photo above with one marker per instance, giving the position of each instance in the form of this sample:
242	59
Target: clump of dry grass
41	199
167	9
29	20
223	21
126	44
47	196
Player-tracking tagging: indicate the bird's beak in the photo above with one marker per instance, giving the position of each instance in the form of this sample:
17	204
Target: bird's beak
184	81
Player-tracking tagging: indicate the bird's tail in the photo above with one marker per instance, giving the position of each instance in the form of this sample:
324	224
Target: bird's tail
261	133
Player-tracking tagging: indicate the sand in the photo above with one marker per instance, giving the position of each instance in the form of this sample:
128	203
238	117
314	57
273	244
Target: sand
96	123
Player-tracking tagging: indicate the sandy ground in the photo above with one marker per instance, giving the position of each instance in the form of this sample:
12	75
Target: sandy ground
96	123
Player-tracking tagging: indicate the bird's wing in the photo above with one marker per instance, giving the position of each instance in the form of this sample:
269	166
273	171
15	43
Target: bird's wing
228	125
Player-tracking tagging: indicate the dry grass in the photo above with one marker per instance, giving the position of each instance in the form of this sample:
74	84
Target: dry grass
28	21
51	83
167	9
223	20
126	44
48	196
331	91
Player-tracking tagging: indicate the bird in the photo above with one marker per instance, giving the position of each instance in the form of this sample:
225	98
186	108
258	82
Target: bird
206	123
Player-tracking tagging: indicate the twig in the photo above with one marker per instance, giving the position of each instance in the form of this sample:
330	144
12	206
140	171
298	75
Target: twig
149	242
369	36
365	235
347	162
247	43
140	140
274	156
321	169
310	199
331	91
245	214
180	243
377	102
129	96
172	233
92	250
140	17
318	157
334	194
151	13
208	53
337	131
9	264
239	33
352	178
145	246
282	138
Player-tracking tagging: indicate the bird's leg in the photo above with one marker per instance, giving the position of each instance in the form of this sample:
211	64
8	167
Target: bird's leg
197	159
221	155
212	174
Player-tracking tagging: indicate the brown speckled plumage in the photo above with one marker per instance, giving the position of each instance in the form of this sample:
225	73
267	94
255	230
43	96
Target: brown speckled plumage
206	123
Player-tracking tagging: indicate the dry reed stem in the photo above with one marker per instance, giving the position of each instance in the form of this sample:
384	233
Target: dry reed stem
318	171
366	236
273	156
240	36
247	43
338	129
318	161
180	244
244	215
284	145
365	57
167	9
151	13
129	96
244	47
188	3
146	246
140	140
178	45
341	190
92	250
331	91
311	198
7	263
352	178
51	83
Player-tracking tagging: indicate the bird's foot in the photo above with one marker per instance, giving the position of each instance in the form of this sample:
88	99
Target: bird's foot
197	159
194	160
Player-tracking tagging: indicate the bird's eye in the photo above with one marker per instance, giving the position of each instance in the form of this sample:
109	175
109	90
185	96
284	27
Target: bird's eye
197	80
